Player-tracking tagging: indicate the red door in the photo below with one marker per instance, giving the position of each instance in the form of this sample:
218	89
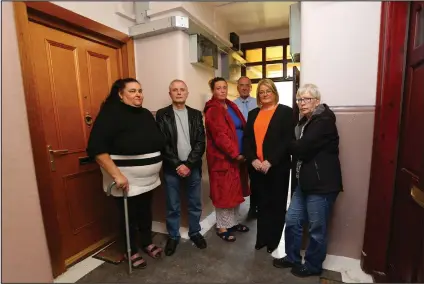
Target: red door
406	250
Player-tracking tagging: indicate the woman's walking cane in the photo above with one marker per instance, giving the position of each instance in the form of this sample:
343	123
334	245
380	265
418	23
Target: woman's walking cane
127	229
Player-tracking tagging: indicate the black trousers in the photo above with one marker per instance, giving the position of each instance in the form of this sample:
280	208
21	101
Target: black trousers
271	193
253	195
140	219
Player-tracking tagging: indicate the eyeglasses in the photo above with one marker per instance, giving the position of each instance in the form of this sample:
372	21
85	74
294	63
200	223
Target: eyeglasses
268	92
304	100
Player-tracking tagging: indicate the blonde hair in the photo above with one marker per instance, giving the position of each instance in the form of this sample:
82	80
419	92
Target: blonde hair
309	89
270	84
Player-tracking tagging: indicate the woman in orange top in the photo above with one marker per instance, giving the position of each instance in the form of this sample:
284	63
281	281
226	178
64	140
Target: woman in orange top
267	136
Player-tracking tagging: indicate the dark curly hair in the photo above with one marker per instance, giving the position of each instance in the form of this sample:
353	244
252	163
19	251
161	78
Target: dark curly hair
117	87
214	80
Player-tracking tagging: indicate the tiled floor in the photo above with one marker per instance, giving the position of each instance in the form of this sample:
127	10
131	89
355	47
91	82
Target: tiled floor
221	262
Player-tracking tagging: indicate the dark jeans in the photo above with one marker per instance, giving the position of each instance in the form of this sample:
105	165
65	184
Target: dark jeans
140	218
271	192
315	209
172	186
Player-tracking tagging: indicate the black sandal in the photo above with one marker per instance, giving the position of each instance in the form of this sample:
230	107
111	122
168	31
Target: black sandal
154	252
141	262
239	228
226	236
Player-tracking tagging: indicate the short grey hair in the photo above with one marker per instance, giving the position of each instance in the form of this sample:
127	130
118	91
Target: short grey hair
177	81
310	89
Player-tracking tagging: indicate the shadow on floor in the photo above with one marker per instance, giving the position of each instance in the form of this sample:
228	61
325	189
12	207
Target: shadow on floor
220	262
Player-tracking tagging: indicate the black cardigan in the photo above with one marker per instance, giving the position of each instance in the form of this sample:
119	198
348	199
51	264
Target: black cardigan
277	138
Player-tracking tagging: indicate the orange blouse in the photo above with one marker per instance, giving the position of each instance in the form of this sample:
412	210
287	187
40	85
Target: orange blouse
260	128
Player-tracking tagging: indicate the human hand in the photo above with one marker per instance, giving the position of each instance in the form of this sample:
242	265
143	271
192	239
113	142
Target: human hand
257	165
183	171
122	182
240	158
265	166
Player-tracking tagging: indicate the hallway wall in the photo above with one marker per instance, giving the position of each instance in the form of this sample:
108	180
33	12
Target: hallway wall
339	53
172	62
106	15
201	11
25	256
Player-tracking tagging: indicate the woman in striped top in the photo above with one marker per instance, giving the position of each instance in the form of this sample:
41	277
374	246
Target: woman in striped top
126	143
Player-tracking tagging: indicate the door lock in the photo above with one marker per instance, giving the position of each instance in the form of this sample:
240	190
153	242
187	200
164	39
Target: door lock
88	119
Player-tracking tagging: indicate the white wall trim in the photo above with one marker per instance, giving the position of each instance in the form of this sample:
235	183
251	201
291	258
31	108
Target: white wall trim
206	224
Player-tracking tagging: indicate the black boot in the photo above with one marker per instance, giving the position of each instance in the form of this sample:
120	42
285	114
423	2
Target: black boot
199	241
171	246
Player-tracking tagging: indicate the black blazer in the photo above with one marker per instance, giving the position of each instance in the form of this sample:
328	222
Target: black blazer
277	138
165	119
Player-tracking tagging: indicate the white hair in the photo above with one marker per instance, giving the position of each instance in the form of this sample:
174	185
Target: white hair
309	89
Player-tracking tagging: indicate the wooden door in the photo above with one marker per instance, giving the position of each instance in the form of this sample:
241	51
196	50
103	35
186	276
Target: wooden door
406	250
73	75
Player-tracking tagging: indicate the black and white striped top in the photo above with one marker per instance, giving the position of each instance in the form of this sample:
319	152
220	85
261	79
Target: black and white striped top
142	172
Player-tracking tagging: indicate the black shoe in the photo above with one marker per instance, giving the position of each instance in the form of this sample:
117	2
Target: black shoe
252	214
302	271
270	250
199	241
259	246
282	263
171	246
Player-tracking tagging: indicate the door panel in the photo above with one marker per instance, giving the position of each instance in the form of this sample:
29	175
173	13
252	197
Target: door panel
65	95
62	74
406	261
100	75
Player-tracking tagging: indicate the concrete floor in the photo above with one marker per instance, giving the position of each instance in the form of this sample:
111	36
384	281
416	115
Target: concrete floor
220	262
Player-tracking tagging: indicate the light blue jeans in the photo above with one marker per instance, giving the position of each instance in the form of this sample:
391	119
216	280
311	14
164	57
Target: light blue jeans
315	209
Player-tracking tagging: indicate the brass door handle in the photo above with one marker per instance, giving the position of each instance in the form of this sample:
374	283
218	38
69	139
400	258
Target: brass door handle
58	152
417	195
52	153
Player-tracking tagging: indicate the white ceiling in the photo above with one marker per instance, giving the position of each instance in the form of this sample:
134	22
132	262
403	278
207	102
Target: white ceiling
248	17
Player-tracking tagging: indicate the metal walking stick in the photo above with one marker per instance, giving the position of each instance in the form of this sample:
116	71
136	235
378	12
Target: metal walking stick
127	229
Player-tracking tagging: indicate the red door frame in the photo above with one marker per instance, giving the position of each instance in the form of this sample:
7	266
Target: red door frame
391	70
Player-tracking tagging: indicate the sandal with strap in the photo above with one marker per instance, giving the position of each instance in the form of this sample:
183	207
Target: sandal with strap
137	261
239	228
226	236
154	251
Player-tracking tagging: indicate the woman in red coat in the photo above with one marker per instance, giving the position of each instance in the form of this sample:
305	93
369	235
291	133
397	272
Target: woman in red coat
227	168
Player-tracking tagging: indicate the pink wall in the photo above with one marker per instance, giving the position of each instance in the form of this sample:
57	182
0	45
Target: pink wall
337	38
25	255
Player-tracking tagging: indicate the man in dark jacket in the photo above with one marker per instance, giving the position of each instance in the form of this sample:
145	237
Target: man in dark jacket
184	132
319	178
